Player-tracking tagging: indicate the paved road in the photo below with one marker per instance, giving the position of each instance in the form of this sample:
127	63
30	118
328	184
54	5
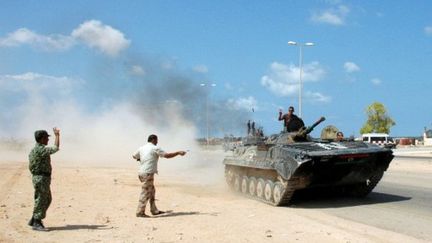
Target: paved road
414	157
401	202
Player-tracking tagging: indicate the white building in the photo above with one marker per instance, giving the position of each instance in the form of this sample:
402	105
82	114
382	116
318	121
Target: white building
427	137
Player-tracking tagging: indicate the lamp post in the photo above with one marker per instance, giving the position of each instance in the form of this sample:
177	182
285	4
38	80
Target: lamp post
207	110
300	45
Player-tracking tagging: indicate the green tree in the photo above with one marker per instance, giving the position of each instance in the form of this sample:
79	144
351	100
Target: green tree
378	120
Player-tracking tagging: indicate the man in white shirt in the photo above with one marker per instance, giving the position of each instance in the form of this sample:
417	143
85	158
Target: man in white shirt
148	156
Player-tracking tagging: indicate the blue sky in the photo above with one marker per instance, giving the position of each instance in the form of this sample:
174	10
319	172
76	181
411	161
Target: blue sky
95	54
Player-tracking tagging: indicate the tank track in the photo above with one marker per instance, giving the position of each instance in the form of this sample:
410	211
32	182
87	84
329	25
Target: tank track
276	192
363	189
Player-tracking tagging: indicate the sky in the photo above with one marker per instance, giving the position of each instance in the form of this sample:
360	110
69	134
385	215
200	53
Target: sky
207	67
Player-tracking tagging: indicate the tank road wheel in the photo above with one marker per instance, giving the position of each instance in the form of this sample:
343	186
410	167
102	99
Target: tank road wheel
252	186
268	191
229	177
260	188
237	183
244	184
278	192
364	188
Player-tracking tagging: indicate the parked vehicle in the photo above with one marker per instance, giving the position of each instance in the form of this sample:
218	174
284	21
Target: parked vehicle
380	139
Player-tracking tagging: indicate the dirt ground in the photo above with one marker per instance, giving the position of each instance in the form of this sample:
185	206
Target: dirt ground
92	203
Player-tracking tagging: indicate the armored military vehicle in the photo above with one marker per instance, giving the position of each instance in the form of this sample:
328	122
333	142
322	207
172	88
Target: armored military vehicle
271	168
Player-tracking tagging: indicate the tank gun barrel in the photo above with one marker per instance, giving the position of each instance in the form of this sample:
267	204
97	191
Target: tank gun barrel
305	131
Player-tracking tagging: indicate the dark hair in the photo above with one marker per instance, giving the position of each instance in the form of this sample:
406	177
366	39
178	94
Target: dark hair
151	138
339	134
40	134
291	108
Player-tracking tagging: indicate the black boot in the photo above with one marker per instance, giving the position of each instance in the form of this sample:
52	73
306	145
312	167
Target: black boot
37	225
31	221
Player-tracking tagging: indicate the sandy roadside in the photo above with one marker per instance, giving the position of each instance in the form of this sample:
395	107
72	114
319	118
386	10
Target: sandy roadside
97	204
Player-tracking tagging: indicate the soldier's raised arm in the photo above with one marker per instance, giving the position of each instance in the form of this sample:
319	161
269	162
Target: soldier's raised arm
57	137
280	115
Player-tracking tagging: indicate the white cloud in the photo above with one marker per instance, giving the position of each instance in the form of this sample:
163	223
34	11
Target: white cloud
376	81
137	70
333	16
92	33
102	37
279	88
30	76
283	79
200	69
327	17
242	103
317	97
351	67
24	36
35	83
428	30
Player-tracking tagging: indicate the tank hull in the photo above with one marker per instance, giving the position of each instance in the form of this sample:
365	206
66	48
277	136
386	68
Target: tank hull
354	167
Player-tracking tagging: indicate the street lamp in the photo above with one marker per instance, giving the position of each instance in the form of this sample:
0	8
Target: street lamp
207	110
300	45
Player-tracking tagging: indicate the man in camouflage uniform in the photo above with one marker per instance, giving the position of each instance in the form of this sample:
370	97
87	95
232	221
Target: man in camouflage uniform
148	156
40	168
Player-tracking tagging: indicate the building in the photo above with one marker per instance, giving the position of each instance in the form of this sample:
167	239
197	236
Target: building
427	137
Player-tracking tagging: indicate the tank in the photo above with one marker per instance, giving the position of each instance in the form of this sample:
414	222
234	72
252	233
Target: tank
271	169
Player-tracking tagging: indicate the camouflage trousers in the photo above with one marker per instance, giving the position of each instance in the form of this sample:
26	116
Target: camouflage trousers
148	193
42	195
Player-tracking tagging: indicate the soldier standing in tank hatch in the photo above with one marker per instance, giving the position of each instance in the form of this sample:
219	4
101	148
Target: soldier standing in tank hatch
40	168
292	123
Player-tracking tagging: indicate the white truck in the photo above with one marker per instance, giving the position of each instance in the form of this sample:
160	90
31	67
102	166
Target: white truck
380	139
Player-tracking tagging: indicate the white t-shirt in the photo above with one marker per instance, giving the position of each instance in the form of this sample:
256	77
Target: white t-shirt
149	155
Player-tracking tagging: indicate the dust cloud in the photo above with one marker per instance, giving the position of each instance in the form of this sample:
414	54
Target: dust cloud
110	137
162	102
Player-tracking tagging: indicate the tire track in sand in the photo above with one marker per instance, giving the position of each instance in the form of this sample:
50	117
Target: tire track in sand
7	187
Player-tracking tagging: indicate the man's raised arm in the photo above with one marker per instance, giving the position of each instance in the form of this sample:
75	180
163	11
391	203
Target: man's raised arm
174	154
57	137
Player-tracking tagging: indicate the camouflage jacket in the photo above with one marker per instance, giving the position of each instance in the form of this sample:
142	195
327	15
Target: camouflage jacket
40	160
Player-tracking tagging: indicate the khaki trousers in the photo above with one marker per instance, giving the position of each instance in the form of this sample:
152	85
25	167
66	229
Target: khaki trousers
148	193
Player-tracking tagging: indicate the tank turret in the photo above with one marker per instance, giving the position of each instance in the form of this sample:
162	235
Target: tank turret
301	135
294	137
305	131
